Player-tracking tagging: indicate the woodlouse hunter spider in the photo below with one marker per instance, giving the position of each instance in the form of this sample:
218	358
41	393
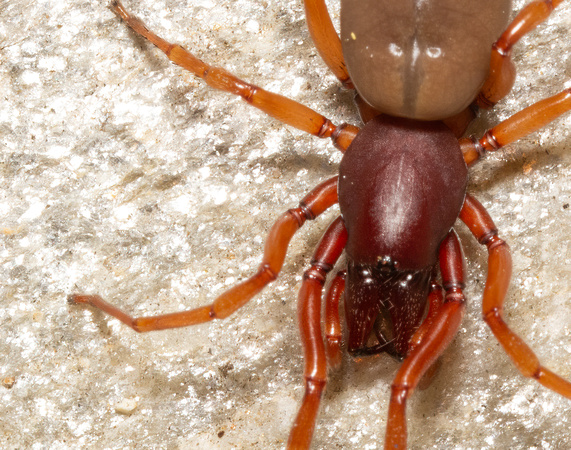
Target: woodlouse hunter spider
398	205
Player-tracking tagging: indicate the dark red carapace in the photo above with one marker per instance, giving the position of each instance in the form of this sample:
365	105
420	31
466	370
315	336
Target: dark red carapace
398	205
420	70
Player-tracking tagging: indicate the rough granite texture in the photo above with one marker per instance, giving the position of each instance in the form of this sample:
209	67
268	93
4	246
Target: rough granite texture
125	176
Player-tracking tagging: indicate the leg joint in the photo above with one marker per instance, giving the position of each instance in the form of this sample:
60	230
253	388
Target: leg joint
301	214
489	141
267	270
454	295
315	384
317	272
399	393
489	236
493	315
326	130
480	150
250	92
494	241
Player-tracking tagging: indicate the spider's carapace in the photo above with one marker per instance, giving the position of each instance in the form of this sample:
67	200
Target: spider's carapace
398	205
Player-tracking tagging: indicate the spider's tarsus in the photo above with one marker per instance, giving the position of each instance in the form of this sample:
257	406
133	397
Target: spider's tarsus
75	299
118	8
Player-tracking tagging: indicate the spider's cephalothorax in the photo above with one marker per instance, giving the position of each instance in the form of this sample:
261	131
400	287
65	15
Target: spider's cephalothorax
397	205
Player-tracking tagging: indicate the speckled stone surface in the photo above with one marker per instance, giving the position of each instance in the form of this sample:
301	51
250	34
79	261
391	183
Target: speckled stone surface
125	176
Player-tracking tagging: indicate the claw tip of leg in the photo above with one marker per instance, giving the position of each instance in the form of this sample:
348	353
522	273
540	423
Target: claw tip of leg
116	6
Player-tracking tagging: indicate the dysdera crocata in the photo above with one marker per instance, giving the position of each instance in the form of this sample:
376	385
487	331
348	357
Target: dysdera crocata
401	187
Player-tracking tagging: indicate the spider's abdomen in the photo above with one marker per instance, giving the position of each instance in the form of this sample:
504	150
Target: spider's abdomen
401	187
423	60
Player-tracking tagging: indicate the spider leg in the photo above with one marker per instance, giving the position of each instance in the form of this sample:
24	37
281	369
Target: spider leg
326	39
309	318
282	108
317	201
502	70
517	126
435	300
332	321
435	340
475	216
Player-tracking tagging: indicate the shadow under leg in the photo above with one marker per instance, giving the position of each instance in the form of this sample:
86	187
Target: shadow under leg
475	216
316	202
282	108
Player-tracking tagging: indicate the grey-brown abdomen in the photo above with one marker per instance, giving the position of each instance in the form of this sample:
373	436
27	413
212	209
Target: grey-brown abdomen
420	59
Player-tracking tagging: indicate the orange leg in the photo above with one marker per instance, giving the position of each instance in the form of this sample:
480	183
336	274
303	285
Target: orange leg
517	126
435	300
326	39
309	317
502	70
332	320
282	108
482	227
317	201
435	340
460	122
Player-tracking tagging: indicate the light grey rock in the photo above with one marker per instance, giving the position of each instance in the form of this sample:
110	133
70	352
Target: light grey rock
125	176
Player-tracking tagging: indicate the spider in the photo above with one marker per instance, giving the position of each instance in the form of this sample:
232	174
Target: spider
401	187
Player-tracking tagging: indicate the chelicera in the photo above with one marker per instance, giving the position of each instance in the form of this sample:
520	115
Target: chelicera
420	71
